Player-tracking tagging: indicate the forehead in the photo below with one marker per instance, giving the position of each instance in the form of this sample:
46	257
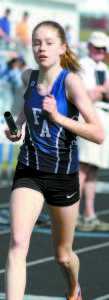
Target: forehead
46	32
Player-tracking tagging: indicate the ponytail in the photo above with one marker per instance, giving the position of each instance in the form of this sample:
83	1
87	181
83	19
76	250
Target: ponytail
69	61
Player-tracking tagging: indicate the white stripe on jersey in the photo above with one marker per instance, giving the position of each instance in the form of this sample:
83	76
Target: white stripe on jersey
58	158
70	155
27	156
70	159
37	159
35	152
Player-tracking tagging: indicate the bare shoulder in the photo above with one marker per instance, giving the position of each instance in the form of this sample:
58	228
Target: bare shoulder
26	76
73	83
78	95
71	78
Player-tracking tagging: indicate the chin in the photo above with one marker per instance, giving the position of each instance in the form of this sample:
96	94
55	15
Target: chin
44	67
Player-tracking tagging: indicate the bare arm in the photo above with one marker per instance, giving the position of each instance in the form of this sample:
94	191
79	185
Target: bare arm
106	86
91	129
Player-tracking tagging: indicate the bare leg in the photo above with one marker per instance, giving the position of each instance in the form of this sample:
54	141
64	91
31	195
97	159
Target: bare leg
83	172
25	207
89	191
63	221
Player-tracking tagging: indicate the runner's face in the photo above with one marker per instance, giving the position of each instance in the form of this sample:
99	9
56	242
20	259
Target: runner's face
47	47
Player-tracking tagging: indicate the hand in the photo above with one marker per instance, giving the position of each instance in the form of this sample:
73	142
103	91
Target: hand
98	96
106	85
100	89
13	138
50	105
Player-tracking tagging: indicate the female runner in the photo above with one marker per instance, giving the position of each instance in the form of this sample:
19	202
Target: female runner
47	165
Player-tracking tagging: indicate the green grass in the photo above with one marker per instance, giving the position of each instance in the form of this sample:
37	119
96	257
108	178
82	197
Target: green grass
84	34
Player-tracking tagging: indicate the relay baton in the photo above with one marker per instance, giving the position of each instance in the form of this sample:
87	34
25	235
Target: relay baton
10	122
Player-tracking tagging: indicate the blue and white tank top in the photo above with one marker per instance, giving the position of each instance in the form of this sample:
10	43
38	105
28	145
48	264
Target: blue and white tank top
47	146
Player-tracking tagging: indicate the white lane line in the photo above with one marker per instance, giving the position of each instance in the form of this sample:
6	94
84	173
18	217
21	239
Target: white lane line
91	248
92	234
32	297
103	172
4	205
40	261
103	212
2	271
79	251
102	187
102	298
5	231
35	262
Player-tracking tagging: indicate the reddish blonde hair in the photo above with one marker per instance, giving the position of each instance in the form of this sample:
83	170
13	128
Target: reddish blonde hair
69	60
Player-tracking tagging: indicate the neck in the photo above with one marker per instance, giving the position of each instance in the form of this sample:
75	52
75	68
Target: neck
48	75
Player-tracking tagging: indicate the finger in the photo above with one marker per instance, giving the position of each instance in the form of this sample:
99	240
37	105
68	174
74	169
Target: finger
51	96
47	102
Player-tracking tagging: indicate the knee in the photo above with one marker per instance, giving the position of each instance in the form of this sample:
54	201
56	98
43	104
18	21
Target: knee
19	244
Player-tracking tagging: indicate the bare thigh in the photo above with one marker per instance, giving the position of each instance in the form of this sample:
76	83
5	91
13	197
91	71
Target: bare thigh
63	221
25	207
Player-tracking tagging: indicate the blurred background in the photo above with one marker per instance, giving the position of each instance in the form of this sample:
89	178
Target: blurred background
17	20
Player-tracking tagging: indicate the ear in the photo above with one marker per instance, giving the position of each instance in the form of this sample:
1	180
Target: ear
62	49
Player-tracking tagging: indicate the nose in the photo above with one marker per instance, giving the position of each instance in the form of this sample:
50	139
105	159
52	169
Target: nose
42	46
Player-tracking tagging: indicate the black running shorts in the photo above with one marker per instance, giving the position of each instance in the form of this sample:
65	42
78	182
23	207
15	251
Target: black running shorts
57	189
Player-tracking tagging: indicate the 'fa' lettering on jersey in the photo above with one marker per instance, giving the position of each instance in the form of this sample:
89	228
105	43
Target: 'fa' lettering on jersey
45	128
36	115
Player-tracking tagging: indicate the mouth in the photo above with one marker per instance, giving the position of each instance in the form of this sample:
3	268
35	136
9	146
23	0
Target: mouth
42	57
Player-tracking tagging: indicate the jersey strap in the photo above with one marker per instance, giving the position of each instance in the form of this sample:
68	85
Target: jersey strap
32	81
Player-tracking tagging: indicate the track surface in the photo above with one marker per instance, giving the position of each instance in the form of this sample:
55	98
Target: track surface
44	280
